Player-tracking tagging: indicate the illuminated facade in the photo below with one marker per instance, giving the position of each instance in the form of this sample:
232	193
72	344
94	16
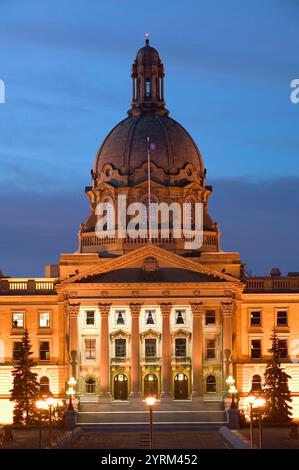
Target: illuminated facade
128	317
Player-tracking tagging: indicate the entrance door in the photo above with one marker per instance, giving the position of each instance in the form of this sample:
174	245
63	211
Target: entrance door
150	385
120	387
181	387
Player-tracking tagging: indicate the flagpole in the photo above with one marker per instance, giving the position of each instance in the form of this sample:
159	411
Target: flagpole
149	190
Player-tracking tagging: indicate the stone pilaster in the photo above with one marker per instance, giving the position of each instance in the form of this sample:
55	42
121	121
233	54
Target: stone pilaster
197	349
166	350
227	311
135	350
104	359
72	312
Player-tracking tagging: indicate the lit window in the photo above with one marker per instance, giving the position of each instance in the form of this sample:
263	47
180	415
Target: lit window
211	384
44	320
150	347
44	351
210	317
120	347
282	318
256	384
17	349
90	349
120	317
255	349
90	385
150	317
180	317
18	320
255	318
44	386
283	348
180	347
90	318
147	88
211	349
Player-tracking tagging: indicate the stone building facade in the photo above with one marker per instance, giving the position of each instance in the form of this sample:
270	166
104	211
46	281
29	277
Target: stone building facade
129	317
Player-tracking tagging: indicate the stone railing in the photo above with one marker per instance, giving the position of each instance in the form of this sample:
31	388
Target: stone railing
13	286
120	360
151	360
272	284
181	359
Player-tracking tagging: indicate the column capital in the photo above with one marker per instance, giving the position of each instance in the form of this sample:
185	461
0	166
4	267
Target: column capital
166	308
135	309
227	309
196	308
72	309
104	309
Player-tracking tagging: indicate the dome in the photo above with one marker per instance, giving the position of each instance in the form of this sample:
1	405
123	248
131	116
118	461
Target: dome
172	148
147	55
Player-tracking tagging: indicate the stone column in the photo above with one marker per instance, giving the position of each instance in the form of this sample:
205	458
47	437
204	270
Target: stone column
166	352
227	310
197	350
135	351
104	360
72	310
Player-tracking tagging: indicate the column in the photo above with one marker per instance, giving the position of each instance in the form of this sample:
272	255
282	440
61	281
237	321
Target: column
135	350
197	350
166	345
227	310
72	310
104	360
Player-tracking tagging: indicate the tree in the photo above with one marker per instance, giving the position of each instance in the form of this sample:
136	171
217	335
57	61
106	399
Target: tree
276	389
25	389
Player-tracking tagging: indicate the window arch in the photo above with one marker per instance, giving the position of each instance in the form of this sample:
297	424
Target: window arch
256	383
44	385
211	384
90	385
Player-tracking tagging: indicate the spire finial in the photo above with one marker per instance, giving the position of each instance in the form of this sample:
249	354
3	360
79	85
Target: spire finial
146	39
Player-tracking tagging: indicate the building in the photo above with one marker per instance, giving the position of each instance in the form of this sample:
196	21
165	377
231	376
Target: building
132	316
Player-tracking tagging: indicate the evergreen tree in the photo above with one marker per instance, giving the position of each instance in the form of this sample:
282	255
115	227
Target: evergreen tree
25	389
276	389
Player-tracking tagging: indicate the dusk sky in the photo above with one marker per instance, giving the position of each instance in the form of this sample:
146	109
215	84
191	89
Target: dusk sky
66	68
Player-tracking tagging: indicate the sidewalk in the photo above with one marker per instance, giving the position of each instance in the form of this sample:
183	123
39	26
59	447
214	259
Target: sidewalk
274	438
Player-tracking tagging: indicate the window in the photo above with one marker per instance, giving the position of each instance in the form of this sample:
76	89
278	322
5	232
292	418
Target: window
210	317
180	347
90	349
180	317
281	318
18	320
255	318
211	349
255	349
150	347
90	318
150	317
256	384
16	352
90	385
44	351
147	87
120	348
44	386
283	348
120	317
211	384
44	320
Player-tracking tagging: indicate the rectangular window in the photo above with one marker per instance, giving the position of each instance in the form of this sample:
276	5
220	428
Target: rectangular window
150	317
211	349
120	348
18	320
44	320
150	347
255	318
16	352
281	318
120	317
44	351
90	349
180	347
210	317
180	317
283	348
255	349
90	318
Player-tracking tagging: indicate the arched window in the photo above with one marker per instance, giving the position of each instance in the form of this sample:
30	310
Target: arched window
44	386
256	384
211	384
90	385
189	212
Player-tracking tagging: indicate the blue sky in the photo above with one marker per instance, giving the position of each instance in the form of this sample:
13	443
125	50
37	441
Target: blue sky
66	67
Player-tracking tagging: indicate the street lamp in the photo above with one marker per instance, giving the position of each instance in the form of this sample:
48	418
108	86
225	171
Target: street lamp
232	390
50	400
71	392
260	403
40	405
251	399
150	401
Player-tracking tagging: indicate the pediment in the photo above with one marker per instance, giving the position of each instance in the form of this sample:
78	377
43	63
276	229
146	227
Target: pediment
149	264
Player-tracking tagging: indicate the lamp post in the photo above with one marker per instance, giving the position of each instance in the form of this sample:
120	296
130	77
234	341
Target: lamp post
40	405
251	400
50	402
260	403
71	392
232	390
150	401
